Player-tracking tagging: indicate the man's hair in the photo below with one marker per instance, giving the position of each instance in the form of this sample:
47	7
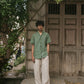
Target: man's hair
39	22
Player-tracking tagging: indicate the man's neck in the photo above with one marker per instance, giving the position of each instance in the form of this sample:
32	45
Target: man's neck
40	32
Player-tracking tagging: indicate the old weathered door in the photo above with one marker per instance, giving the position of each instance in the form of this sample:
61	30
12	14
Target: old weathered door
65	24
54	28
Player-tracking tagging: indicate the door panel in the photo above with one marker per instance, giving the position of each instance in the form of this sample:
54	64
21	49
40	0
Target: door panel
53	27
66	29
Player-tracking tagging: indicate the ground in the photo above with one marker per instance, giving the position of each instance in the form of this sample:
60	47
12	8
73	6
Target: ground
58	80
53	80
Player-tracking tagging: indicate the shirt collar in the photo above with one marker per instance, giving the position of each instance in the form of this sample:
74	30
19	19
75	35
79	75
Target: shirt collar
42	32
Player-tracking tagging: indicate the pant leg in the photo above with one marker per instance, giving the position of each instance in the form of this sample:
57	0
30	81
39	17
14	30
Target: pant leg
37	71
45	70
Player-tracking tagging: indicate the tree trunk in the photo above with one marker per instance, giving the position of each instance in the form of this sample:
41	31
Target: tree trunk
5	43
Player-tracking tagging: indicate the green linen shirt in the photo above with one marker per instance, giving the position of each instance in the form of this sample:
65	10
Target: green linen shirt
40	44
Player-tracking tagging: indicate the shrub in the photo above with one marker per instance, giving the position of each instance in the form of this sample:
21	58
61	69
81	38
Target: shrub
19	60
23	70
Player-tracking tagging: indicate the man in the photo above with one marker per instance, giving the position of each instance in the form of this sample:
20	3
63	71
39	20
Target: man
40	54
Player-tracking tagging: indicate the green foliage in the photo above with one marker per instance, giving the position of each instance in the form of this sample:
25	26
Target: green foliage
12	11
13	37
19	60
23	70
58	1
4	68
2	51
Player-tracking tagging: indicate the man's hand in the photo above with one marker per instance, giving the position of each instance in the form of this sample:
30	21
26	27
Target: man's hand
33	59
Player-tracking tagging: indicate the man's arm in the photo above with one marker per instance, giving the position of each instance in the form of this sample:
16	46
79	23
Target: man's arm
33	59
48	43
48	48
32	42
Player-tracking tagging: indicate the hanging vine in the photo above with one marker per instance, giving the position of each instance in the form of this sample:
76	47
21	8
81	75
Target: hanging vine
58	1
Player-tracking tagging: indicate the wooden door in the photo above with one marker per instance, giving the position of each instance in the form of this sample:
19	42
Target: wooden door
70	38
54	28
65	24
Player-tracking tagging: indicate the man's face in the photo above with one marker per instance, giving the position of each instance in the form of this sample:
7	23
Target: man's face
40	28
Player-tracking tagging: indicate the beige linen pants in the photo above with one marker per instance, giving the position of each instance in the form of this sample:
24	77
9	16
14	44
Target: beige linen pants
41	71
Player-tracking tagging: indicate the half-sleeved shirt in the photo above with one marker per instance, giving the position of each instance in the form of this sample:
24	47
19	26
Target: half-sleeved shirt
40	44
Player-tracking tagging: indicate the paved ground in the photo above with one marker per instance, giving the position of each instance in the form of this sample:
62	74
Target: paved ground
58	80
53	81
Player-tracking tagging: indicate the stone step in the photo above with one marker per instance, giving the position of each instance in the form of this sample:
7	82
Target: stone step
59	80
52	81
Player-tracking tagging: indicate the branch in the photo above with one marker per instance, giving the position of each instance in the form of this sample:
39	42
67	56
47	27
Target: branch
14	51
35	13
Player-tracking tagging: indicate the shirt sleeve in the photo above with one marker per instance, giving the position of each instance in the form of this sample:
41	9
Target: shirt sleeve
48	39
32	41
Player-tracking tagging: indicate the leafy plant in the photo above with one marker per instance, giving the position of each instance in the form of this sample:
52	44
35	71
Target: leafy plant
14	17
19	60
22	70
58	1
